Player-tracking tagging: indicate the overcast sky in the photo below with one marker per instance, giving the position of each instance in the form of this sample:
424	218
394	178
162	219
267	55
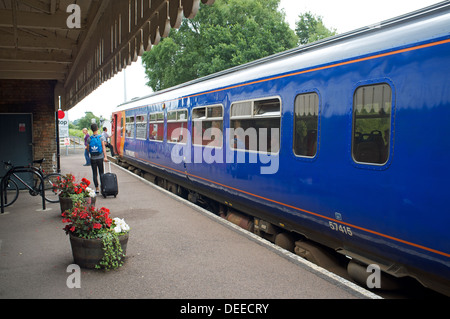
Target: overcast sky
342	15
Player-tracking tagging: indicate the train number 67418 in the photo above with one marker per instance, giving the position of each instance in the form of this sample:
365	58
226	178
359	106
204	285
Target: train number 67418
338	227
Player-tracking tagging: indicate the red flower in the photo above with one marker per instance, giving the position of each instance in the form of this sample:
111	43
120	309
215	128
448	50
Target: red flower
86	221
84	215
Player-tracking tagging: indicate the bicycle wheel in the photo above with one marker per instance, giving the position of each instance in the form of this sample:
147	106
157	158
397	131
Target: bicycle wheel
11	193
51	193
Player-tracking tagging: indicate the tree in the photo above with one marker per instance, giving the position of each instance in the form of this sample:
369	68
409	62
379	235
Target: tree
223	35
310	28
86	121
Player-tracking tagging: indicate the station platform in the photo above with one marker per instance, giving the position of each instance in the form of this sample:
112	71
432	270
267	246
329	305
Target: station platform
176	250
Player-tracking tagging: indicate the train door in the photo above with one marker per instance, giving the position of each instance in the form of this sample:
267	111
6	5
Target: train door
114	132
118	137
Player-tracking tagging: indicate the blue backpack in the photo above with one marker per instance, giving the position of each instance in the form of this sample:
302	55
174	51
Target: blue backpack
95	145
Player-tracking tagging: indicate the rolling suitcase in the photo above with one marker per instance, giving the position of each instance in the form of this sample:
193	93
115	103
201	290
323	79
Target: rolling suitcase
109	184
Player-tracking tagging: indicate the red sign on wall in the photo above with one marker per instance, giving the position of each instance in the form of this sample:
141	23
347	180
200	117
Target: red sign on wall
61	114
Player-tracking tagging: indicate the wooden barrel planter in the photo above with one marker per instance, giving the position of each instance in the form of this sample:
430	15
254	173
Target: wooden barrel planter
66	203
87	253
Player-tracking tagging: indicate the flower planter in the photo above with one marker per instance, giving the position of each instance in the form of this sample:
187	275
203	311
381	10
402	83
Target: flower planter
87	253
66	203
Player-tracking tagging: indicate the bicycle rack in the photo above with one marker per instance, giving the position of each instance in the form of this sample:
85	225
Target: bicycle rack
21	170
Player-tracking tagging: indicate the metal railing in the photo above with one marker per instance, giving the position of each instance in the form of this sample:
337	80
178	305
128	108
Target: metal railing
71	143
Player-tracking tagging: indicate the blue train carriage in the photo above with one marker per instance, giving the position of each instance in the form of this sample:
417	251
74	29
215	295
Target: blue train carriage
343	141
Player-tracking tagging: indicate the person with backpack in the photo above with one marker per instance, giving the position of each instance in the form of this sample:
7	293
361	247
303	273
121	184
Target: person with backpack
97	150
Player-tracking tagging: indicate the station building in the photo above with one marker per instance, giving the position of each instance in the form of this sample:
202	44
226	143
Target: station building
54	53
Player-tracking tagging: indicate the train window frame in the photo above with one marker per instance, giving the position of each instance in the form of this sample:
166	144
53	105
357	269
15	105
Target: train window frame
158	119
249	111
141	118
210	118
379	137
177	119
316	113
130	124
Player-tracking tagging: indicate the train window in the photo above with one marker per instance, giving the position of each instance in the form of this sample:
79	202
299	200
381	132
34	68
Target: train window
241	109
177	126
207	126
306	124
156	126
372	109
267	108
256	125
172	116
141	127
129	127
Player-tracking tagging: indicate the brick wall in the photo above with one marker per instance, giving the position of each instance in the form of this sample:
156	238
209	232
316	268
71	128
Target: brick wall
36	97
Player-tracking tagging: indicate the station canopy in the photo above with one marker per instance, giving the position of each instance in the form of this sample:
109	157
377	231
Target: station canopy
82	43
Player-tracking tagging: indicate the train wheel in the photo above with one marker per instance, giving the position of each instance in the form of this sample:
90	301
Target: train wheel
171	187
320	256
285	241
240	220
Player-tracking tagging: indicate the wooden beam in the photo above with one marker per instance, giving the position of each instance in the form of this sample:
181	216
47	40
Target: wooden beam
33	67
25	75
52	6
47	42
56	56
35	4
35	20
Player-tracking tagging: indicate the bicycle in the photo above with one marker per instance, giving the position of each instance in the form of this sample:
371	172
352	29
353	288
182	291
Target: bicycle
11	189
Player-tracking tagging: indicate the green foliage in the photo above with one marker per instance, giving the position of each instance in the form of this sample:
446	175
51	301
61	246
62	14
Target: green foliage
310	28
77	198
113	257
76	133
223	35
85	122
